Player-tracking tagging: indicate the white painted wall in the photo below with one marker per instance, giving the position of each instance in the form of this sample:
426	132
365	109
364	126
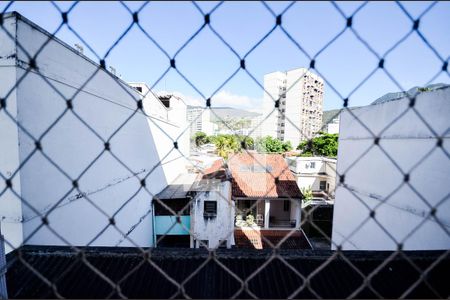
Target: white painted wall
268	122
10	204
310	177
105	104
333	127
155	107
294	105
222	226
199	119
374	178
296	212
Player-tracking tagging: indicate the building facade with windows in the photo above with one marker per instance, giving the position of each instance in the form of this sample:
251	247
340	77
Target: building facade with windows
264	187
199	120
213	209
299	115
196	210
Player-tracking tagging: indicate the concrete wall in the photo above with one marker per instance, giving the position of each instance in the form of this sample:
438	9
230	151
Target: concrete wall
112	183
374	181
10	204
217	228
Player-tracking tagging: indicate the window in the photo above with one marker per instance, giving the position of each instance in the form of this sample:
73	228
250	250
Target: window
323	185
203	244
286	205
210	209
139	88
312	164
222	244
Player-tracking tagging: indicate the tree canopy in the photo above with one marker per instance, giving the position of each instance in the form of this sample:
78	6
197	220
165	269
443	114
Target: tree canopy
227	144
269	144
200	138
326	144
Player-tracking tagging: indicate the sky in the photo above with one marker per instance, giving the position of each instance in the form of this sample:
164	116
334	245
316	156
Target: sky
207	62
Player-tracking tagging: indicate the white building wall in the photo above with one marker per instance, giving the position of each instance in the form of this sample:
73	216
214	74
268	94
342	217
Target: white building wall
309	177
333	127
273	82
10	204
208	127
177	112
220	227
293	107
199	119
111	183
155	107
374	181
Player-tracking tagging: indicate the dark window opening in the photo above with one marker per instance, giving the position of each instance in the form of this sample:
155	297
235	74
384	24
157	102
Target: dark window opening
177	205
174	241
166	102
286	205
323	185
139	88
210	209
222	244
203	244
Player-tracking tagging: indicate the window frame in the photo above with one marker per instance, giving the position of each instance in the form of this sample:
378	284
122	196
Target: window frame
209	214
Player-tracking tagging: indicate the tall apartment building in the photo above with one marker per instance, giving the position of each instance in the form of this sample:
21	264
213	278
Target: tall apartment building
299	115
199	119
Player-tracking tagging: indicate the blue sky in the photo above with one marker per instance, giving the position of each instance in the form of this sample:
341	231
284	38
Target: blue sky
207	62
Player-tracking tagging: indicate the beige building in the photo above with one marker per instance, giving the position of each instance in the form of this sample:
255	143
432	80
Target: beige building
299	116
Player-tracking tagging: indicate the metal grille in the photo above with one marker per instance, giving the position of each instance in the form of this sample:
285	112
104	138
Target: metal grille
103	142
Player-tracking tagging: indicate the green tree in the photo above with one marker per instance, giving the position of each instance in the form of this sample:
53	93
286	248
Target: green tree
269	144
246	142
200	138
307	193
326	144
226	144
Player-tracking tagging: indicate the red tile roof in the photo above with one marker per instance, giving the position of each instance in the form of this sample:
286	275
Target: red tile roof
262	175
215	171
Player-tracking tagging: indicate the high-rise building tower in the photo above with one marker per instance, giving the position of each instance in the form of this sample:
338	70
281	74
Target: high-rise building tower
299	115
